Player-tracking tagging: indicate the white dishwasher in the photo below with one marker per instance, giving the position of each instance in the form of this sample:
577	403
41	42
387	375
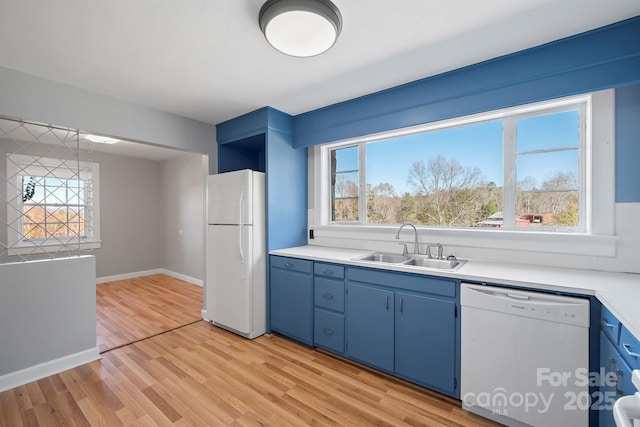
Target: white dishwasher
525	356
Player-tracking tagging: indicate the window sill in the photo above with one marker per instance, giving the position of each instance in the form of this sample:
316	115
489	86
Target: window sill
27	249
542	242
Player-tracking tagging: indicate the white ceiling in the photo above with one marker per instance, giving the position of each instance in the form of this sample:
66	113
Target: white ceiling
207	59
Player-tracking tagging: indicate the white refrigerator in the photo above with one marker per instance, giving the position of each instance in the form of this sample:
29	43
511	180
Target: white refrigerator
235	285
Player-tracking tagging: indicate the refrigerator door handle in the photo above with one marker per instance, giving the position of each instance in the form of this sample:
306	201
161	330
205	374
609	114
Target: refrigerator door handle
240	208
240	244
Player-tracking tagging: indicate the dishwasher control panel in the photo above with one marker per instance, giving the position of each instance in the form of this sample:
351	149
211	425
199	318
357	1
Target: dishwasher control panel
537	305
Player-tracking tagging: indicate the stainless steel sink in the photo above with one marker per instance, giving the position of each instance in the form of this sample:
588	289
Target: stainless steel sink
383	257
434	263
412	260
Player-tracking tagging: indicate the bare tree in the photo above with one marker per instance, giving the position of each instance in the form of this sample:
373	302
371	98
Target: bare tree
561	199
447	189
345	200
383	204
525	196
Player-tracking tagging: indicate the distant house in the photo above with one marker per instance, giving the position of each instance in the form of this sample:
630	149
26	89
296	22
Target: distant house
497	220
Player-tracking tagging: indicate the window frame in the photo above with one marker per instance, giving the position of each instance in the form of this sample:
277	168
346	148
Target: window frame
84	171
598	189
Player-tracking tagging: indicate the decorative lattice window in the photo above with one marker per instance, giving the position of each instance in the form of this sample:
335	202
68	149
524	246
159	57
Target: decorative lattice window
51	197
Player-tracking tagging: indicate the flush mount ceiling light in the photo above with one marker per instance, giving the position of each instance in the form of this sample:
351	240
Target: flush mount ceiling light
300	28
101	139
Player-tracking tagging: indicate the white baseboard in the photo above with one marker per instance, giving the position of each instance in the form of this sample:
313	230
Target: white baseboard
128	275
184	277
52	367
135	274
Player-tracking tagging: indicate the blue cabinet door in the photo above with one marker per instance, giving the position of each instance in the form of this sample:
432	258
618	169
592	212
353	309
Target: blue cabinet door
291	307
425	332
620	385
370	325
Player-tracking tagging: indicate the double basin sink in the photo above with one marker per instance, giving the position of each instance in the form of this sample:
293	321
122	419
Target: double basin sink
412	260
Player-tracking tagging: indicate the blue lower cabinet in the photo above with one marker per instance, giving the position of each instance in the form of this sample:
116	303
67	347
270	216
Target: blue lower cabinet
329	330
619	356
406	325
370	331
291	298
618	385
425	340
629	347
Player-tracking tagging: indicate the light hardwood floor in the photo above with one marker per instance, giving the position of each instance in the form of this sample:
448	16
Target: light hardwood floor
189	373
132	309
201	375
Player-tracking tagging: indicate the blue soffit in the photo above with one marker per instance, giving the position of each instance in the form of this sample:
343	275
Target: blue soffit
603	58
254	123
607	57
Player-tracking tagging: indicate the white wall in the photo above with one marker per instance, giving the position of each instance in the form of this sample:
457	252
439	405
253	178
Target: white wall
47	318
183	184
131	215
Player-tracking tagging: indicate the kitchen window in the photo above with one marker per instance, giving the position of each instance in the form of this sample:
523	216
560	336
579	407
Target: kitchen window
52	204
529	169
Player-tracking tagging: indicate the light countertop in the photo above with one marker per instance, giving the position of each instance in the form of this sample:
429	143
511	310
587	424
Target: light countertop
619	292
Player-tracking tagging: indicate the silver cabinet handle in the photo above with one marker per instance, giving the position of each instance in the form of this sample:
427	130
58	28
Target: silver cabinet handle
627	348
607	325
328	295
401	305
288	265
327	271
328	331
386	304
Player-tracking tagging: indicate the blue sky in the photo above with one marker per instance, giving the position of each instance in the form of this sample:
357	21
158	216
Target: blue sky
478	145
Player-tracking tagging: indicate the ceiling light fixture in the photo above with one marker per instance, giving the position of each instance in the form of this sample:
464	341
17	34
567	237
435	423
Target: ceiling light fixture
300	28
101	139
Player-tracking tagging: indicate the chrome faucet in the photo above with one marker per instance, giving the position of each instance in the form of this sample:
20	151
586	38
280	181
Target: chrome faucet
440	250
416	249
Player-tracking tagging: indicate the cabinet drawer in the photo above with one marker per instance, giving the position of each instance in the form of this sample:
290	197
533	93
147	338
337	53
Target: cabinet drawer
329	330
329	294
413	282
610	325
629	347
301	265
330	270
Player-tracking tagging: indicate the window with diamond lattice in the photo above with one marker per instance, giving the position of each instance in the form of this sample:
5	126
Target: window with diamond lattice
53	207
53	202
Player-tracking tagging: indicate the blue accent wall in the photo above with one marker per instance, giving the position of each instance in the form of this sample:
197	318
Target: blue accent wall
286	192
628	144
